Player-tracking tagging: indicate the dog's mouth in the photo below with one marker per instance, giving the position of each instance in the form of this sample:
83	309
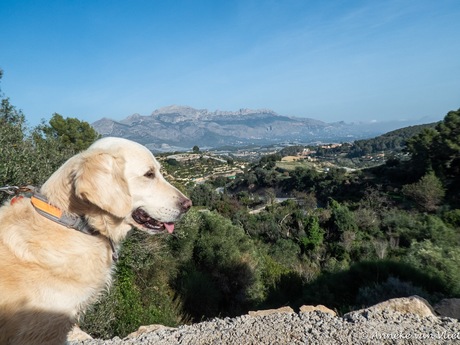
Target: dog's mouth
150	224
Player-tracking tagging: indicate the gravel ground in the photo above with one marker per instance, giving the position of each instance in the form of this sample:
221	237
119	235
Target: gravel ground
362	327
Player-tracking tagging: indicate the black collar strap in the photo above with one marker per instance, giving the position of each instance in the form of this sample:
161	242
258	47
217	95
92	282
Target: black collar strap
79	223
53	213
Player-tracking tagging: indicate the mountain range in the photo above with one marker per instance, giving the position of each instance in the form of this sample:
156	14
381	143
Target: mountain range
182	127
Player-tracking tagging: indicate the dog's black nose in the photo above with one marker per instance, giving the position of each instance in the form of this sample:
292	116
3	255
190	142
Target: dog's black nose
186	204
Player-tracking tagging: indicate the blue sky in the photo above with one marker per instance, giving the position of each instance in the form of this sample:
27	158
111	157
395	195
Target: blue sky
328	60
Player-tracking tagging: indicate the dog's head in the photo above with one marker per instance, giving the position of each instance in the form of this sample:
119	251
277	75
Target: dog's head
122	183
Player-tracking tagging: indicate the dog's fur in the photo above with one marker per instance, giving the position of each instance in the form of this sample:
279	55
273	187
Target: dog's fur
50	273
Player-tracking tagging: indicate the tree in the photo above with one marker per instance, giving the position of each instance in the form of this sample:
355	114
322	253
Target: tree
71	132
14	150
314	235
204	195
438	150
447	144
420	148
427	193
342	218
29	156
196	149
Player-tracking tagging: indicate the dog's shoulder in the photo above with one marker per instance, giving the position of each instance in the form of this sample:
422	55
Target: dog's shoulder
15	216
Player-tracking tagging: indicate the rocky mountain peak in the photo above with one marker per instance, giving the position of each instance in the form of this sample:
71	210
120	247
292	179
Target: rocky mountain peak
180	110
186	111
183	127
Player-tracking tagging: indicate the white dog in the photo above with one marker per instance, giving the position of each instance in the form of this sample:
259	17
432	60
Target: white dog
57	246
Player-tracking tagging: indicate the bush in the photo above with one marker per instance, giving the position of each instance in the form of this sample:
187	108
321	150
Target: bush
314	235
452	218
439	262
391	288
220	270
340	290
426	193
140	293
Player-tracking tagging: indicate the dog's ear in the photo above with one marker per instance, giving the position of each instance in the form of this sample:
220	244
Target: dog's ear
100	179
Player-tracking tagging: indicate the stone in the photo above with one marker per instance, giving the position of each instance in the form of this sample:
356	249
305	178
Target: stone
404	305
319	307
76	334
449	307
282	310
146	329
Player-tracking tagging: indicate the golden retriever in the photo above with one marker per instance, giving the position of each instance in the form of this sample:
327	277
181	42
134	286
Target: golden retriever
49	272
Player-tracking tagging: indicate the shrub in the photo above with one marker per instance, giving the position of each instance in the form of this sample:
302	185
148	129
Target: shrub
391	288
220	270
436	261
140	293
426	193
340	290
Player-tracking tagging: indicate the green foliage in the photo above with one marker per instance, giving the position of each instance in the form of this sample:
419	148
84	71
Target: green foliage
70	132
437	261
263	225
344	290
427	193
204	195
439	150
447	146
13	149
25	156
285	252
452	217
272	270
30	156
140	294
438	232
391	141
301	179
391	288
342	219
314	234
219	268
406	227
420	147
291	150
12	116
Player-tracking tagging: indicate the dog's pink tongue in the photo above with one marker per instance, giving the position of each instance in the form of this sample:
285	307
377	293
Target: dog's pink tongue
169	227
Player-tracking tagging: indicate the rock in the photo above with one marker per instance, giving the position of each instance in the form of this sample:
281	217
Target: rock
146	329
282	310
320	307
76	334
375	325
449	307
404	305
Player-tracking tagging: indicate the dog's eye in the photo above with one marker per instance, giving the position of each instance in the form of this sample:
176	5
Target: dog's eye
150	174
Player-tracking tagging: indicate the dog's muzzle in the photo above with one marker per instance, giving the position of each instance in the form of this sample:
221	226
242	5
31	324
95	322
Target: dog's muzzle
142	218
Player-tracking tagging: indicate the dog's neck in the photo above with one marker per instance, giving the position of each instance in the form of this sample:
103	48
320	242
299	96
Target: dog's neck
78	223
60	192
47	210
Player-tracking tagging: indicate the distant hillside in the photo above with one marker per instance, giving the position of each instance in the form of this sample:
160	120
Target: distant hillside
180	127
391	141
